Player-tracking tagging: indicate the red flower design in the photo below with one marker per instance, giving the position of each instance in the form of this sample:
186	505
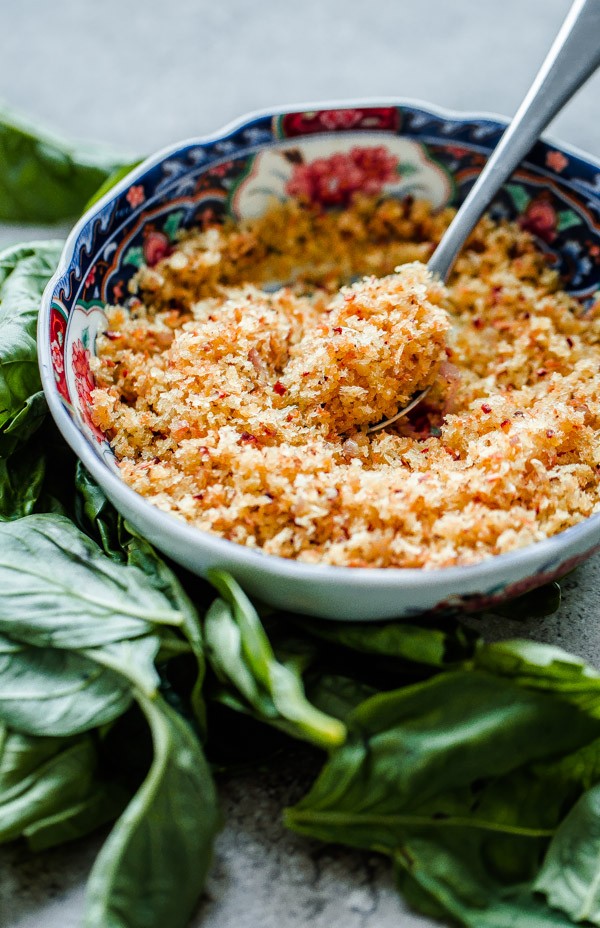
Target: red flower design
84	384
540	219
340	119
334	181
156	247
57	359
91	277
135	196
57	341
556	161
220	170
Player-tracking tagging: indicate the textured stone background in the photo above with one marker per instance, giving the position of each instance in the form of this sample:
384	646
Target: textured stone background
143	75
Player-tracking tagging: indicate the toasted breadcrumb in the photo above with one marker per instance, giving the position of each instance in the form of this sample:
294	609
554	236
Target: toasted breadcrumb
245	411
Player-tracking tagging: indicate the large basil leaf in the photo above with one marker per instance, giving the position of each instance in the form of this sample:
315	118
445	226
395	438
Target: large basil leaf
463	780
151	869
60	590
24	272
46	691
241	655
44	178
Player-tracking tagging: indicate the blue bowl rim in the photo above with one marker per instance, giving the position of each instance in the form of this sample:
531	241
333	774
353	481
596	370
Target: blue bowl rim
547	550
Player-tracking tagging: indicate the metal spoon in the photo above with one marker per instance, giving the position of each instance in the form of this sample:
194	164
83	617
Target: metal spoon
572	59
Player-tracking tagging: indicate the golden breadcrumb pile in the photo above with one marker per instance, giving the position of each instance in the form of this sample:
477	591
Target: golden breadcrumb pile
244	410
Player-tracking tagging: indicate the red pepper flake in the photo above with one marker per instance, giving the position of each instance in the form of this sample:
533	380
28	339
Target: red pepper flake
289	418
477	323
306	373
453	453
349	297
449	352
338	330
203	450
505	424
198	496
486	407
541	372
550	433
124	373
279	388
247	439
519	413
223	396
424	450
570	341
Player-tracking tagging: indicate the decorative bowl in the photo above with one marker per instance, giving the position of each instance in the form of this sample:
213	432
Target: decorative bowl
413	149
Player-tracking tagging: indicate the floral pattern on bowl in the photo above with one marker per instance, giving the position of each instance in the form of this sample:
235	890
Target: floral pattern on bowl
326	155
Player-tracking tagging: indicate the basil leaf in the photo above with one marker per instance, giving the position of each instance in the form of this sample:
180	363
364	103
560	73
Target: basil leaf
21	480
21	754
104	804
423	643
44	178
240	654
543	667
570	875
462	780
62	778
152	867
46	691
60	590
24	272
337	695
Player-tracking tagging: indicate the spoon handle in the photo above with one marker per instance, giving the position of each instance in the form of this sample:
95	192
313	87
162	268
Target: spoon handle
574	56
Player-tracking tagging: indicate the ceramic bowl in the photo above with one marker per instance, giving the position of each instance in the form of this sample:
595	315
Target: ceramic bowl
412	148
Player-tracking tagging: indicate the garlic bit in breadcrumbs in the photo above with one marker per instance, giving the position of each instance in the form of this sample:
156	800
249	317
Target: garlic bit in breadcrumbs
244	411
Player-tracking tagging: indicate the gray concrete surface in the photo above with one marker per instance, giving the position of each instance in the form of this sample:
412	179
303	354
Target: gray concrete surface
142	75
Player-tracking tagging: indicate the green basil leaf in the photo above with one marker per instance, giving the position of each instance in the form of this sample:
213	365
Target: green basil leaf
104	804
337	695
151	869
570	875
60	779
463	781
423	643
60	590
97	516
543	667
24	272
241	654
44	178
21	754
46	691
21	480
